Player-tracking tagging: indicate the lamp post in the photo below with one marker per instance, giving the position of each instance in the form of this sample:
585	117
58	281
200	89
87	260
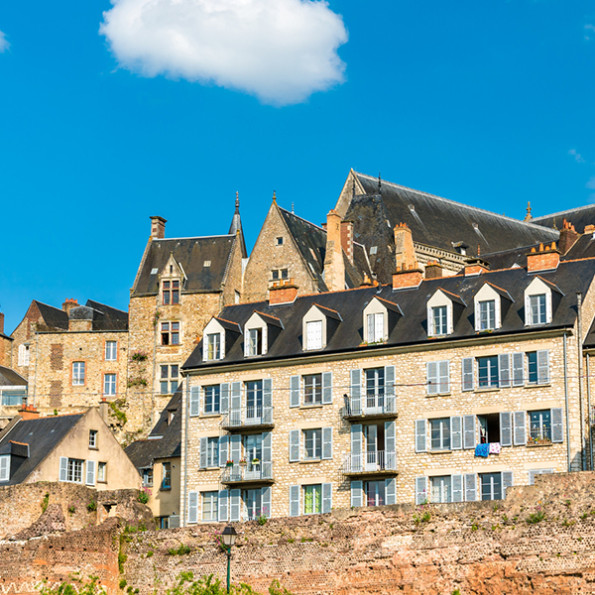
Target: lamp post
229	538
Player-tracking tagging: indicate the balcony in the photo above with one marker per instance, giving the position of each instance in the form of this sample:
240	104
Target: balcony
374	462
370	407
248	474
249	418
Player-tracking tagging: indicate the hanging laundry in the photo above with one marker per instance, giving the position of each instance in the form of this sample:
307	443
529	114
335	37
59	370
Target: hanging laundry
494	448
482	450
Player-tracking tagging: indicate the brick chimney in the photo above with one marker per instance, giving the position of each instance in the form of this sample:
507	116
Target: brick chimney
476	266
28	412
404	250
545	258
407	278
347	239
568	236
282	292
103	410
69	304
334	267
589	229
433	270
158	227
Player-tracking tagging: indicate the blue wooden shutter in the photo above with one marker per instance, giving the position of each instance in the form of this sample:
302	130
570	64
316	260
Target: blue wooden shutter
223	445
327	443
557	427
518	369
356	392
267	455
224	397
469	431
294	445
63	468
507	481
294	500
506	428
235	502
222	505
444	376
266	502
327	497
390	445
235	410
389	386
504	370
456	432
194	408
267	401
421	490
432	378
543	367
327	388
192	507
467	373
470	487
390	491
203	453
357	494
356	448
235	448
520	428
420	435
294	391
91	472
456	483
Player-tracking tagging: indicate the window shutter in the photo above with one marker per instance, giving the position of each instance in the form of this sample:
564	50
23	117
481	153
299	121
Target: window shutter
267	400
389	383
224	397
504	370
192	507
4	467
267	455
456	432
91	473
370	328
467	373
557	427
421	490
432	378
194	410
506	428
294	446
518	369
390	491
543	367
63	468
294	391
234	505
357	494
327	388
469	431
294	500
420	435
327	497
456	482
356	448
222	505
223	444
356	392
507	481
235	448
235	410
327	443
444	376
266	502
520	428
203	454
390	445
470	487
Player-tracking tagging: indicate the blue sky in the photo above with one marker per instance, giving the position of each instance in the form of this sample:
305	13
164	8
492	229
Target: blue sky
489	103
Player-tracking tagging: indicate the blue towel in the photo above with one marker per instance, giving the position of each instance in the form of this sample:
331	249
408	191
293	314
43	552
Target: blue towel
482	450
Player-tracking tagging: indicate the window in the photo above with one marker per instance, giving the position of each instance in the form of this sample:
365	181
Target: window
312	389
537	309
540	423
487	315
109	385
24	355
375	389
102	472
163	522
375	493
313	499
314	334
212	452
92	438
489	428
169	378
212	399
487	371
254	344
375	326
253	504
74	471
441	488
78	373
532	376
440	433
491	486
111	351
438	378
253	452
147	477
209	506
4	467
278	274
442	310
254	394
213	346
170	292
170	333
279	240
439	321
166	476
313	444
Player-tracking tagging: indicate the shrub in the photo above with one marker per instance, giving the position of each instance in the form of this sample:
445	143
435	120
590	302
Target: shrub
76	587
143	497
181	551
92	506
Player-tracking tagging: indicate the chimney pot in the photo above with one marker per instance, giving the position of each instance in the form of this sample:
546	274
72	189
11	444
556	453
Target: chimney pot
158	227
433	270
28	412
546	259
283	292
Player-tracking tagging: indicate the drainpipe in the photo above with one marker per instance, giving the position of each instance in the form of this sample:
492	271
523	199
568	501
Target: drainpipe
185	404
589	429
566	401
579	349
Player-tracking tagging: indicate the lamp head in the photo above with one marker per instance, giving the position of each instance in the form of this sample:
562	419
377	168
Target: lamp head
229	536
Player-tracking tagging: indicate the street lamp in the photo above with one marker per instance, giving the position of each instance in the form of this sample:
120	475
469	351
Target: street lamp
229	538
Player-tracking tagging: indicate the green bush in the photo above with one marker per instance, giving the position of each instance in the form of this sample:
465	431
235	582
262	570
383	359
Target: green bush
77	587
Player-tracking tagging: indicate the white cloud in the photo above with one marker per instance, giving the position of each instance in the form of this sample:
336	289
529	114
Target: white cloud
4	45
282	51
577	156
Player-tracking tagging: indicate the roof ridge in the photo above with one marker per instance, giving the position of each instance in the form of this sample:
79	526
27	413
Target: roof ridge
49	306
565	211
222	235
305	220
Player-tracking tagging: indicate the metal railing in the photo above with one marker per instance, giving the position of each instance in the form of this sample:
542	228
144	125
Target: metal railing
370	405
249	416
249	472
370	461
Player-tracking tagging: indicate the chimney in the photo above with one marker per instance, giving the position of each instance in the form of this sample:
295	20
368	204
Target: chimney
69	304
28	412
544	258
589	229
366	282
476	266
404	250
568	236
407	278
1	323
334	267
282	292
158	227
347	239
433	270
103	405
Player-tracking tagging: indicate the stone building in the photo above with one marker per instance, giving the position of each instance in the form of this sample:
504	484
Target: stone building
440	389
13	394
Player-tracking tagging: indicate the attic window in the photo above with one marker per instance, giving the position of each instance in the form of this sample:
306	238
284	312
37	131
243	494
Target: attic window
154	271
279	241
4	467
207	263
280	274
171	269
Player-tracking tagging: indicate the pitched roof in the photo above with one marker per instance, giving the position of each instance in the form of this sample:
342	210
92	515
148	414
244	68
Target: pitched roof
54	318
570	277
579	217
236	226
9	377
192	254
42	435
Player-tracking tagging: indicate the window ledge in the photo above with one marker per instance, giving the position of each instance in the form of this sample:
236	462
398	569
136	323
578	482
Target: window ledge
448	394
208	415
93	448
487	389
440	452
313	406
309	461
165	489
535	385
538	444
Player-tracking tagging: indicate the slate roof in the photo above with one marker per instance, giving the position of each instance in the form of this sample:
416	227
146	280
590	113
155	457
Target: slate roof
164	440
42	435
579	217
106	318
54	318
411	328
9	377
191	253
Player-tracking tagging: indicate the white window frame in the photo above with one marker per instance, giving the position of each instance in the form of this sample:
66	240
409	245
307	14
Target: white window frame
213	328
93	435
111	351
24	357
101	472
213	497
4	467
78	373
110	381
443	487
438	300
71	470
484	295
314	339
538	287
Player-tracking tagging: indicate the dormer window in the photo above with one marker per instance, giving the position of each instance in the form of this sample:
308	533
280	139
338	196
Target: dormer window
443	309
439	320
537	312
314	334
541	297
260	332
375	326
486	310
4	467
318	326
170	292
213	346
491	303
254	342
380	317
